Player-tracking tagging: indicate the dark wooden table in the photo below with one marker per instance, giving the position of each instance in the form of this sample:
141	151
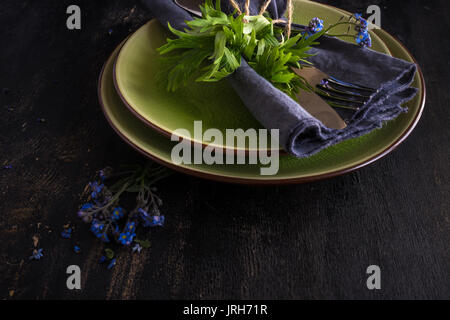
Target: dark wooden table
309	241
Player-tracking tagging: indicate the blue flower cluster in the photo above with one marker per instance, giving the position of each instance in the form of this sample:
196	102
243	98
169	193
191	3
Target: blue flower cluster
66	233
149	220
158	221
96	189
314	26
105	173
84	211
109	221
117	213
97	227
357	16
99	230
37	254
363	38
128	234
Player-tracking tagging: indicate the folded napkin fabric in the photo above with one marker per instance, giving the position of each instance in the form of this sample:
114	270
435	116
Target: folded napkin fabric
301	134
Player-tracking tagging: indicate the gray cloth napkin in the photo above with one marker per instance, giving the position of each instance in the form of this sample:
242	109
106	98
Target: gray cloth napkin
300	133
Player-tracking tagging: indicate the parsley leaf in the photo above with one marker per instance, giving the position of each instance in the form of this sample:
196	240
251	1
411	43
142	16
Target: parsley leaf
211	48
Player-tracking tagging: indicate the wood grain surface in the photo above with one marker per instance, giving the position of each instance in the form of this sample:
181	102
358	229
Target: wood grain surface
311	241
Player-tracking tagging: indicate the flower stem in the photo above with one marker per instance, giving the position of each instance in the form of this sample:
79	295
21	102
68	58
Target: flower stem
341	35
340	23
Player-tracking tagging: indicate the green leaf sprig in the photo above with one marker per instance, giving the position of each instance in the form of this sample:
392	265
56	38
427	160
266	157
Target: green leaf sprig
211	48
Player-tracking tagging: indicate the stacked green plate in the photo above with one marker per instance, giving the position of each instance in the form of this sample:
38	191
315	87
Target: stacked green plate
145	115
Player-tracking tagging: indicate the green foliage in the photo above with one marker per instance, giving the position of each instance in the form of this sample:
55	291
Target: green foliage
211	49
143	243
109	253
275	63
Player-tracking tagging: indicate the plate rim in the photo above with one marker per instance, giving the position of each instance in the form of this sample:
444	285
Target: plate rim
278	181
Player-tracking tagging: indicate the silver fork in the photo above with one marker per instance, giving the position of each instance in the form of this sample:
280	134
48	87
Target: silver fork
337	93
330	92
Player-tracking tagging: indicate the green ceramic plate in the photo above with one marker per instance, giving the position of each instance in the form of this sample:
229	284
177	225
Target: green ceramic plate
345	157
217	105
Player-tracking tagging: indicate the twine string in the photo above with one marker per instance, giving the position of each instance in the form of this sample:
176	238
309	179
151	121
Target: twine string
290	13
247	8
264	7
236	6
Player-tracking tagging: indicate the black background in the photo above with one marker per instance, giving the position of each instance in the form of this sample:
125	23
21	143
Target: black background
221	241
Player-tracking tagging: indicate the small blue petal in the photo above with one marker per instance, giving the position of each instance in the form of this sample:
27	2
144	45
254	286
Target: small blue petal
112	264
315	25
67	233
117	213
37	255
104	238
87	206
